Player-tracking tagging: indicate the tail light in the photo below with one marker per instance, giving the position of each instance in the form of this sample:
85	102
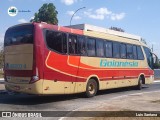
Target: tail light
35	77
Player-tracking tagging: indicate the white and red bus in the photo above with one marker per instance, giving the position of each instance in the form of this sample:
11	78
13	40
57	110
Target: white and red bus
47	59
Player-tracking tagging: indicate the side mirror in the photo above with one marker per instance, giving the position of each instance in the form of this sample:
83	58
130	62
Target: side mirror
155	58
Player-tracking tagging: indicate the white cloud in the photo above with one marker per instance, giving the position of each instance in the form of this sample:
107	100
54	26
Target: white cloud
97	14
119	16
22	20
75	17
68	2
103	13
70	13
94	16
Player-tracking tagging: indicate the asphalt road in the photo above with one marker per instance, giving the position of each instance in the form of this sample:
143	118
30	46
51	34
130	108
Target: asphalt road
22	102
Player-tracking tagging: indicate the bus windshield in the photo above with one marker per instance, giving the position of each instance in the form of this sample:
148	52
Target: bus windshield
19	35
149	57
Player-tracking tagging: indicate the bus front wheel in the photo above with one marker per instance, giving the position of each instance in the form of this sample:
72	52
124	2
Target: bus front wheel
140	82
91	88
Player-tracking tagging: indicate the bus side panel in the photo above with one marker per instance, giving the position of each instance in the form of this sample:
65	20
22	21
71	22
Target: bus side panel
62	71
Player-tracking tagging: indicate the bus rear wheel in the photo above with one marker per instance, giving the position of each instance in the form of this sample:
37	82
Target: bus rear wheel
91	88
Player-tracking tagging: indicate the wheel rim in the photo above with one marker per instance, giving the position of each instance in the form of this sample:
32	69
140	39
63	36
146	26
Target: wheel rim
91	88
140	83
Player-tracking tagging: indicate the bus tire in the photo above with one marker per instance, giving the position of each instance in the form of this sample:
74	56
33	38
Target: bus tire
91	88
140	82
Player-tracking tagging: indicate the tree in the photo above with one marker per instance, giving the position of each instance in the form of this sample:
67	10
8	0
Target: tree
47	13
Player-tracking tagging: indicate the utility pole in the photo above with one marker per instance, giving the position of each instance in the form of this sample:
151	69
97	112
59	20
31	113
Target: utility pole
75	13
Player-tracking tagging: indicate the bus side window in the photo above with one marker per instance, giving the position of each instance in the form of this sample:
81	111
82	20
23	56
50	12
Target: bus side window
140	53
99	48
72	44
81	46
149	56
108	49
56	41
91	45
123	50
129	51
135	52
116	50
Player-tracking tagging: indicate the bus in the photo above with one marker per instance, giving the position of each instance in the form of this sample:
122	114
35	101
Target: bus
45	59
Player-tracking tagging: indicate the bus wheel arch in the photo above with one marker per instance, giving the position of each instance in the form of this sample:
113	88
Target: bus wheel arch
141	81
92	86
143	78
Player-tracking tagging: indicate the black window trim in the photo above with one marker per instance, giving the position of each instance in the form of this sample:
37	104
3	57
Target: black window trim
44	36
67	35
84	37
112	47
99	39
121	43
77	44
13	27
70	34
136	53
142	52
89	37
119	50
127	51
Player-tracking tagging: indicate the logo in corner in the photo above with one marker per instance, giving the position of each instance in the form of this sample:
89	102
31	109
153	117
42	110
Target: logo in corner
12	11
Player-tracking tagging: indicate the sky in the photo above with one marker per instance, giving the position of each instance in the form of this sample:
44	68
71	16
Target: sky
139	17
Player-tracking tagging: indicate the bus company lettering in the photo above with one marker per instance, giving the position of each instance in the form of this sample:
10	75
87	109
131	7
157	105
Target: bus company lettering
15	66
113	63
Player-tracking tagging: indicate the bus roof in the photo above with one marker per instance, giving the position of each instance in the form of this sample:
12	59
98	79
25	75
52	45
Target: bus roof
83	28
87	27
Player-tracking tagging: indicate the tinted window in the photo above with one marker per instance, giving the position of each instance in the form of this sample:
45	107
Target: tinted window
81	46
99	48
19	35
135	52
116	50
56	41
108	49
123	51
72	44
91	47
140	53
129	52
149	56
